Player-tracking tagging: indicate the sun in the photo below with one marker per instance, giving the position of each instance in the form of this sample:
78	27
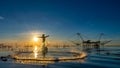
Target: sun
35	39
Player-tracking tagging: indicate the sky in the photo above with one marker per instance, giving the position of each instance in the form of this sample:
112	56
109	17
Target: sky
61	19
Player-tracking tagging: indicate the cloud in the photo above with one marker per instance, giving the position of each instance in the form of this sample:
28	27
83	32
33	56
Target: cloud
1	17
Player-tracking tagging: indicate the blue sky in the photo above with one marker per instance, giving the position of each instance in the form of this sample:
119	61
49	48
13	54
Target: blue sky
59	18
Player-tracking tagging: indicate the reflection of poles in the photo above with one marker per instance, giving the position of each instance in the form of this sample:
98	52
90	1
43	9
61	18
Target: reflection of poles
44	47
44	66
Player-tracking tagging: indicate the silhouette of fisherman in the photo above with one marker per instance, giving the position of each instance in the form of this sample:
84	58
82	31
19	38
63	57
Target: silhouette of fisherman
44	38
44	48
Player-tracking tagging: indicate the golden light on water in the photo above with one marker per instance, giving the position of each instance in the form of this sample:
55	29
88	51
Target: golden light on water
35	52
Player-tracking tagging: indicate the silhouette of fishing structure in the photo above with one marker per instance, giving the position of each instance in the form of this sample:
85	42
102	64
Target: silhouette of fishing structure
89	44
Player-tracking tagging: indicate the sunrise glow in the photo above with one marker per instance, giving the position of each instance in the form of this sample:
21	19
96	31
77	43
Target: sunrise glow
35	39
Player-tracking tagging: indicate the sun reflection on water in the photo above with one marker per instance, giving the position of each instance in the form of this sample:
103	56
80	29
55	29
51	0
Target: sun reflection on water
35	52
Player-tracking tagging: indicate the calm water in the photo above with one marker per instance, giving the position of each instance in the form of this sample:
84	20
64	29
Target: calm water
94	60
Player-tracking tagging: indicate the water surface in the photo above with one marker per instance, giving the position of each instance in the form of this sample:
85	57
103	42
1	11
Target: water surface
94	60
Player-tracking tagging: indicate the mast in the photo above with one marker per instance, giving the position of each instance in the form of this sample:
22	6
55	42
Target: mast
100	36
80	36
82	45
